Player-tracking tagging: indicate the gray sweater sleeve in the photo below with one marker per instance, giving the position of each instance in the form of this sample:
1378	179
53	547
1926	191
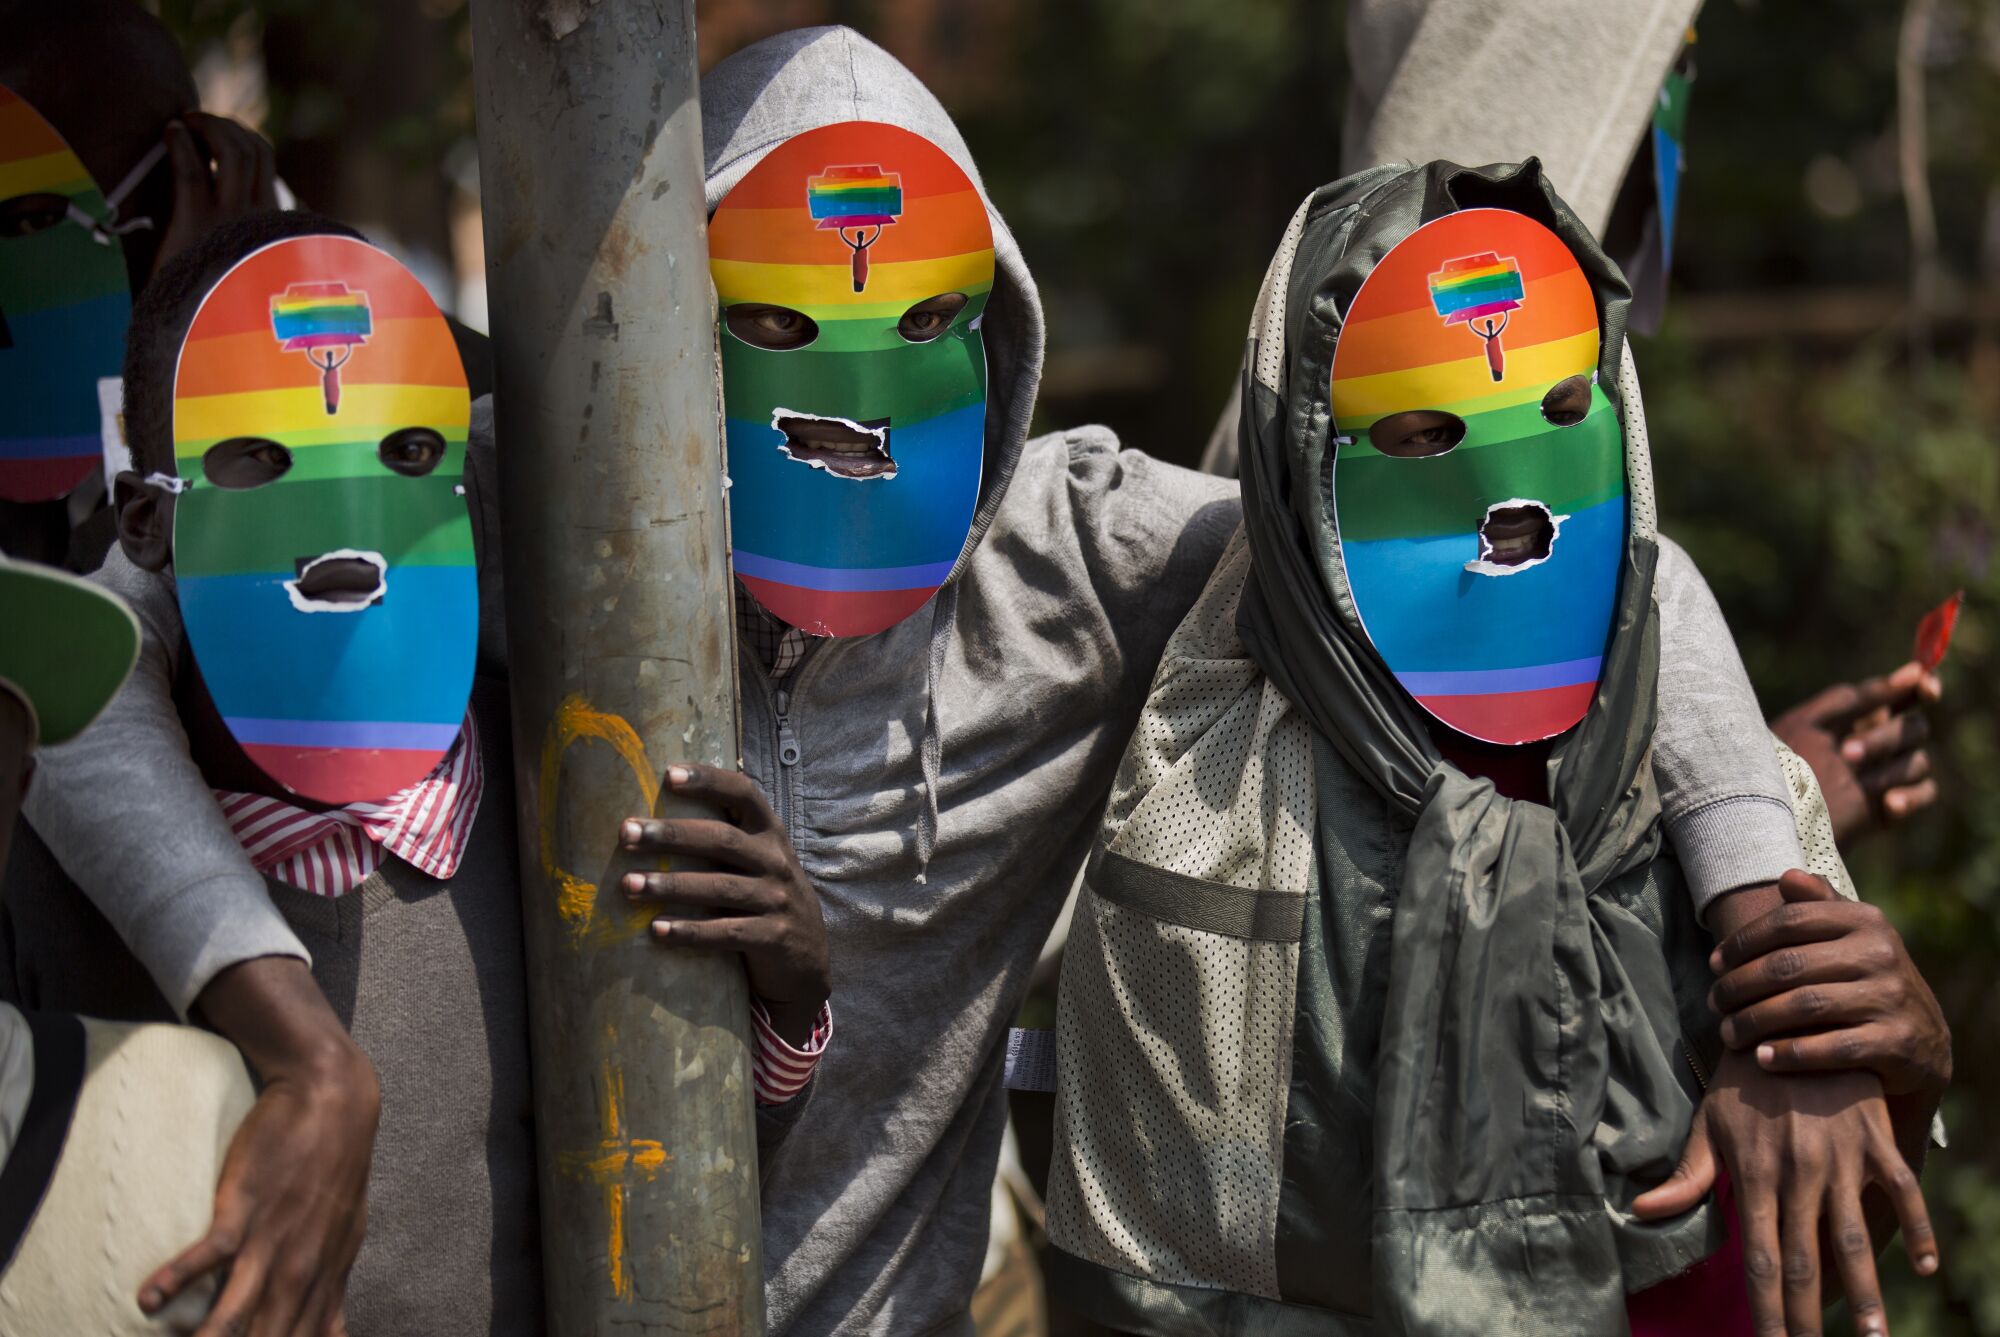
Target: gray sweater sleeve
127	814
1724	794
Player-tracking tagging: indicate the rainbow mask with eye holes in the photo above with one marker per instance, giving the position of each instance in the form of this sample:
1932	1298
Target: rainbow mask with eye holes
323	555
1479	483
852	266
64	306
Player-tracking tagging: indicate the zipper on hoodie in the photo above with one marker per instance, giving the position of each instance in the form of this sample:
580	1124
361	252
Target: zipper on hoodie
787	754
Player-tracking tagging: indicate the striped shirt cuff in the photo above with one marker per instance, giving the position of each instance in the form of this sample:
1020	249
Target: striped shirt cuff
778	1071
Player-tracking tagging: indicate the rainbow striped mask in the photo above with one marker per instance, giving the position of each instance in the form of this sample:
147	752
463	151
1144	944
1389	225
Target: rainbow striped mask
323	555
853	266
1479	480
64	306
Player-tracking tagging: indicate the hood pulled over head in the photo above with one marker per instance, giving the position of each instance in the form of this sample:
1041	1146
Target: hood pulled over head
1445	470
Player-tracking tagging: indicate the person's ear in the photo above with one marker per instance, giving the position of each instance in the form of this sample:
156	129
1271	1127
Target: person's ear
145	521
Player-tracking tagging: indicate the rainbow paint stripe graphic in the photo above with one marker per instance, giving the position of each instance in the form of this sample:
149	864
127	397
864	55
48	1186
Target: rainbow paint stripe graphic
64	306
855	199
339	706
834	555
1511	658
1476	288
326	322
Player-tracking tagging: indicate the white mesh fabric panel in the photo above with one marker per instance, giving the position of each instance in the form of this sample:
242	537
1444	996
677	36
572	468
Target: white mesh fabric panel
1175	1043
1267	324
1202	671
1638	451
1217	782
1815	823
1238	809
1175	1054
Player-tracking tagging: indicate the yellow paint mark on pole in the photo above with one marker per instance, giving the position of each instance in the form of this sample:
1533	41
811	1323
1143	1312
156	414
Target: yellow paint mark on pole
613	1164
576	897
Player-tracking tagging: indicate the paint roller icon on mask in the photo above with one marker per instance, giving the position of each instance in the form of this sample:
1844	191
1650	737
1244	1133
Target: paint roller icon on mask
855	199
325	321
1479	288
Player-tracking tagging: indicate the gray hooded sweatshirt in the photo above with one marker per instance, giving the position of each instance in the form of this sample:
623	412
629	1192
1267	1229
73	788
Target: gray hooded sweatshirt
1005	702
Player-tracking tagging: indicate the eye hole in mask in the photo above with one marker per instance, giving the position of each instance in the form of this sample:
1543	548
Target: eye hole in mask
1417	434
774	327
1568	402
931	317
412	451
25	215
244	462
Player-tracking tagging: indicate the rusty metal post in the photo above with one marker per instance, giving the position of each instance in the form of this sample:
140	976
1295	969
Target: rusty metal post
620	635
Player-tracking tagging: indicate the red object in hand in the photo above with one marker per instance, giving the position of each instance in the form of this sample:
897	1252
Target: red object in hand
1934	632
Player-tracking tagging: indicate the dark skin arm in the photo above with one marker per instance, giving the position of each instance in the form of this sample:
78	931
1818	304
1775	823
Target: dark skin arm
1806	1151
291	1205
1824	984
756	900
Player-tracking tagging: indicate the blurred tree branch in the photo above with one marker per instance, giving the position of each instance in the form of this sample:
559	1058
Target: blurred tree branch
1913	156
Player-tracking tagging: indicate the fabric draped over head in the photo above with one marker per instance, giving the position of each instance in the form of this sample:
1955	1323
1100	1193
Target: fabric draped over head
1519	1077
64	306
320	414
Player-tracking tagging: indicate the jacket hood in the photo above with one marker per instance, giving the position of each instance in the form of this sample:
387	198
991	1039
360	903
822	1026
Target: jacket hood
1298	619
811	77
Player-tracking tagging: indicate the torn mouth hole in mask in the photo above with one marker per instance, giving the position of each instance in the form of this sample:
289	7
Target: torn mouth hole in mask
842	447
346	580
1515	535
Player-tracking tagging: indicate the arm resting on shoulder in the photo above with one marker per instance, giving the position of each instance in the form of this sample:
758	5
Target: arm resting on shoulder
126	812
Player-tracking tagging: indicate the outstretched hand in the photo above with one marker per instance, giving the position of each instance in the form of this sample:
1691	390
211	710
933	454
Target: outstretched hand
1800	1151
1864	742
763	904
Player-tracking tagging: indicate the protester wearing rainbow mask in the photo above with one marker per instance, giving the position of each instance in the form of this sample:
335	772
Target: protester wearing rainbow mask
1386	1000
942	655
309	496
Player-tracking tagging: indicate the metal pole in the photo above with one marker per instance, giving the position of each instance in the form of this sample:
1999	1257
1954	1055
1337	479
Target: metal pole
620	636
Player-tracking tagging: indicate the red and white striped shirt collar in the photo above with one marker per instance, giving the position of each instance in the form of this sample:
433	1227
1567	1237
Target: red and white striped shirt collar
331	853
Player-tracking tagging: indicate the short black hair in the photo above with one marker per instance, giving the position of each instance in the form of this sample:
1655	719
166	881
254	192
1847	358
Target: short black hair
101	70
165	308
